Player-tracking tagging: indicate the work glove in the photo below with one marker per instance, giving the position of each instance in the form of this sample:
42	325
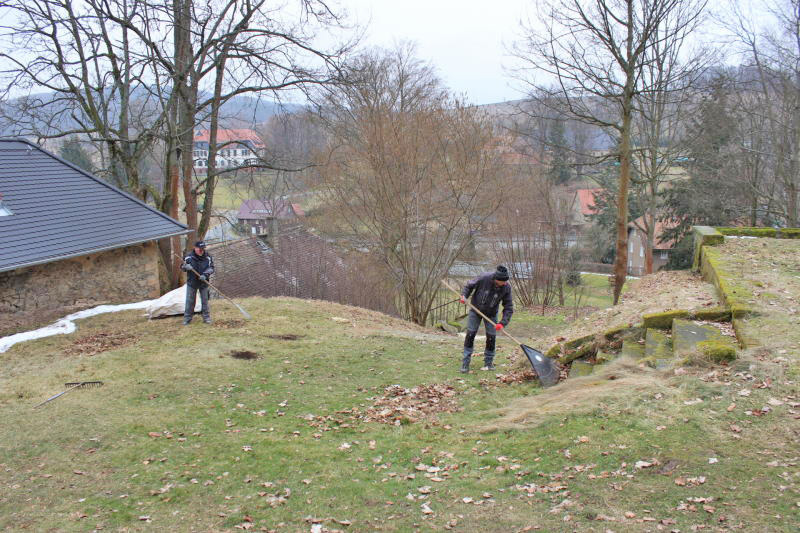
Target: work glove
186	267
498	327
462	300
203	277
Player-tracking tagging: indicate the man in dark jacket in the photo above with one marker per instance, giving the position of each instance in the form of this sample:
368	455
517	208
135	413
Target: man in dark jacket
198	266
488	291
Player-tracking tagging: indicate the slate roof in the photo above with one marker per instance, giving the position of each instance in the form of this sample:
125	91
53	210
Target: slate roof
258	210
60	211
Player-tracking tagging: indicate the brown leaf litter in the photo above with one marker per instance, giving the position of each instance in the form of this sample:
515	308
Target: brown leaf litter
100	342
402	405
232	323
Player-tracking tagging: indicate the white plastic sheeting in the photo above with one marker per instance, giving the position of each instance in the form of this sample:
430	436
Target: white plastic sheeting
171	303
67	324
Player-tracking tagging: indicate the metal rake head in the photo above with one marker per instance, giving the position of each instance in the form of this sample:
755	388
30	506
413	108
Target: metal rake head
84	384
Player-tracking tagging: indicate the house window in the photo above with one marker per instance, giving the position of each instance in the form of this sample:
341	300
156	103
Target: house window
641	251
664	254
4	210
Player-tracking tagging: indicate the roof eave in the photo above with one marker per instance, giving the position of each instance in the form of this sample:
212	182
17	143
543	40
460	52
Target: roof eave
62	257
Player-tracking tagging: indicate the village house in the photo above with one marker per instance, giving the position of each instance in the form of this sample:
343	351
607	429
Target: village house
237	148
586	203
70	241
259	217
637	244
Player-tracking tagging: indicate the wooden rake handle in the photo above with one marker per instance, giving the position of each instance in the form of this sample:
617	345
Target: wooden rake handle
480	313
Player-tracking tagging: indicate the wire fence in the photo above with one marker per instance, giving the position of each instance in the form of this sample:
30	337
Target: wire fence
445	309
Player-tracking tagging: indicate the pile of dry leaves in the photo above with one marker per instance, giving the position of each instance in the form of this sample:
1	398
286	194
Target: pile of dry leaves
401	405
516	376
101	342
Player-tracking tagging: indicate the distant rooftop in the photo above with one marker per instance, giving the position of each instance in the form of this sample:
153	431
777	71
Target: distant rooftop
230	135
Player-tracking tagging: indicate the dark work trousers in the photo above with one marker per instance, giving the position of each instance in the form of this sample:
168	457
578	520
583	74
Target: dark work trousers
191	295
473	323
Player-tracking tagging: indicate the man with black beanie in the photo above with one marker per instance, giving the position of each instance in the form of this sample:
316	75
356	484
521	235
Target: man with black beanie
488	291
198	266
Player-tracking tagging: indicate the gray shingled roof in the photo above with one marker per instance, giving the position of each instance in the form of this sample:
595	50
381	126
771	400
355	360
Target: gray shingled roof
60	211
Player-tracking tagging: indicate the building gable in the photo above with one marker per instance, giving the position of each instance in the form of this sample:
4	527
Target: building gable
60	211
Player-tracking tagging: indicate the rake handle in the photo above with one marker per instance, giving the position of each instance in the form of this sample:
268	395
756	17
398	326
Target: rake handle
481	313
51	398
239	307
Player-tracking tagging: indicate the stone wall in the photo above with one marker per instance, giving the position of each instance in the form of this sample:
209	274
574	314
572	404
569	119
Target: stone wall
35	296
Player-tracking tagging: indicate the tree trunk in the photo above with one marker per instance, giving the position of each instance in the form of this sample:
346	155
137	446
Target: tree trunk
650	240
621	260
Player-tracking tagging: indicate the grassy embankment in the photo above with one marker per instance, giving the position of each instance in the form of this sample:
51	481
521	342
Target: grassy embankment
182	436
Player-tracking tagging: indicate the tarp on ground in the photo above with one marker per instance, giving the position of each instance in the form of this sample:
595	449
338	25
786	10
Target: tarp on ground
171	304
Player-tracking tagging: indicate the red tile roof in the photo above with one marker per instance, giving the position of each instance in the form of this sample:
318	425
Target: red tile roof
586	200
224	136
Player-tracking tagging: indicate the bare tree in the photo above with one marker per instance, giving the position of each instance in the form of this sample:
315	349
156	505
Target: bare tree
670	76
72	70
588	61
771	91
411	173
165	67
532	234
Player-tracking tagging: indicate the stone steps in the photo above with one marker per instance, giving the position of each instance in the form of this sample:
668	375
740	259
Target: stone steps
632	348
660	349
691	338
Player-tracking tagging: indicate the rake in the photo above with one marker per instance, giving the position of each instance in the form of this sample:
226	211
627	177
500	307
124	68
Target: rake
545	368
239	307
71	387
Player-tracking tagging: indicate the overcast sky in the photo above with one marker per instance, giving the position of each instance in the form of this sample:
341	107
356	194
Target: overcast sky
466	40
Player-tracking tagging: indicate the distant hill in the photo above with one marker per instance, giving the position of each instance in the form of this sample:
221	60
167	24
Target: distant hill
240	111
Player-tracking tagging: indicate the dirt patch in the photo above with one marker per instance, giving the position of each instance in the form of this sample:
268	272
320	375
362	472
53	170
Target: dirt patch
230	324
400	405
100	342
245	354
285	337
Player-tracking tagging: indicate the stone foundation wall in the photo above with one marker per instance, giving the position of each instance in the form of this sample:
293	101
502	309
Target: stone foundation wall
35	296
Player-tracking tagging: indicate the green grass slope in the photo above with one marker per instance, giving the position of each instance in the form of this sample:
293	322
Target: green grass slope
184	437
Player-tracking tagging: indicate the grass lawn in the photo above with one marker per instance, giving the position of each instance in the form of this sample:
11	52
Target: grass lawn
184	437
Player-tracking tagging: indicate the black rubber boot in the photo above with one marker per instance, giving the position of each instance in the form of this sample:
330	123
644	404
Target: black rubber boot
469	343
488	354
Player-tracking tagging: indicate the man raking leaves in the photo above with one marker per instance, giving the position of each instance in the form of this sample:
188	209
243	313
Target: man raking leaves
198	266
544	367
488	291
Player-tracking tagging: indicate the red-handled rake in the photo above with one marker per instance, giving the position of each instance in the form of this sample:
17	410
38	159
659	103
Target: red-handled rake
544	367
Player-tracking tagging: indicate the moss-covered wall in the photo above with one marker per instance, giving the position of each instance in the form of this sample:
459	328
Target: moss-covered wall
704	236
734	294
779	233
